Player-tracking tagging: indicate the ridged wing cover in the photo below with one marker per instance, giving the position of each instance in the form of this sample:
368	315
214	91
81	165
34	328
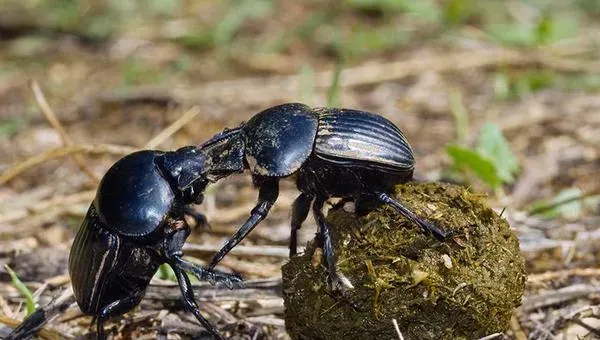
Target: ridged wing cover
93	257
357	137
280	139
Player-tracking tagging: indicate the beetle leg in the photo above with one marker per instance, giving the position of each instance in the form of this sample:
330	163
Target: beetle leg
173	245
267	195
190	303
35	321
338	281
203	274
300	210
29	326
116	307
425	225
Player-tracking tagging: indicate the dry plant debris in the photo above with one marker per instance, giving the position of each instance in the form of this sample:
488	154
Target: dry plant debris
116	77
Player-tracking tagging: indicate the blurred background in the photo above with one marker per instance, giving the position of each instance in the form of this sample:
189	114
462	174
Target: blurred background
499	96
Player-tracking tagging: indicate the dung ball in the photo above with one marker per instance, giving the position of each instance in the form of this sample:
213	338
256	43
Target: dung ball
465	287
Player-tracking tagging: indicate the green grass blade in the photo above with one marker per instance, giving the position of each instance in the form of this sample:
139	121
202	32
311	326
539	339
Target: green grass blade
334	89
22	289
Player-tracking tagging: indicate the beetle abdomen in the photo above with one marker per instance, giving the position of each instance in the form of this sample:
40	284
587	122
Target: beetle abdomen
355	137
93	256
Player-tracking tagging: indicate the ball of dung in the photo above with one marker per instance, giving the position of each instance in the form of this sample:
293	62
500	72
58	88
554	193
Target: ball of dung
465	287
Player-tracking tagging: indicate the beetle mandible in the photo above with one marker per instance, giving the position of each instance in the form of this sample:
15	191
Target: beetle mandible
135	223
330	152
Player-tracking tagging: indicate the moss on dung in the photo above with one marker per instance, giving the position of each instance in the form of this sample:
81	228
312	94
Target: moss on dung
463	288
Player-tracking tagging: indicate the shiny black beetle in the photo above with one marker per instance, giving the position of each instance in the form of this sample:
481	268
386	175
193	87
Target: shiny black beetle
135	223
330	152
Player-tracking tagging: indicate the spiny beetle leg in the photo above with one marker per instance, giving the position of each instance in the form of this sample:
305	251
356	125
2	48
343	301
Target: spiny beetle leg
115	308
338	281
427	226
173	245
212	276
267	195
190	303
300	210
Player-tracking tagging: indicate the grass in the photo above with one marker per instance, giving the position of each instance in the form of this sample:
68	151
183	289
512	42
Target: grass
491	162
333	93
25	292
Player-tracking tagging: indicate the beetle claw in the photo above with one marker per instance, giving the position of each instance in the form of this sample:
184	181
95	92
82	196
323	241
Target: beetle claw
339	283
340	288
231	281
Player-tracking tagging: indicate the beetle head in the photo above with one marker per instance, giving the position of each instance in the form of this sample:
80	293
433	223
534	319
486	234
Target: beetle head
224	154
185	169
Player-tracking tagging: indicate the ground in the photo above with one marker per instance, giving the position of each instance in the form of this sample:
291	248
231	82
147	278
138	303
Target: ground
453	75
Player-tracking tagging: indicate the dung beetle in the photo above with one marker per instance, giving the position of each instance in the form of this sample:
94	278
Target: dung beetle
329	152
136	223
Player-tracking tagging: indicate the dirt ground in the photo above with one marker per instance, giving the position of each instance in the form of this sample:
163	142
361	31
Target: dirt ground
117	74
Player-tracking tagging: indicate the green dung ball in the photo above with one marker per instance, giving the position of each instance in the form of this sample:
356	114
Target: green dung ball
463	288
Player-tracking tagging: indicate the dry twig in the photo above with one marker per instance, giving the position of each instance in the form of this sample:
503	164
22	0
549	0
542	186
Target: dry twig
240	250
34	161
491	336
44	333
515	327
548	276
253	290
171	129
17	214
397	328
558	296
260	90
40	99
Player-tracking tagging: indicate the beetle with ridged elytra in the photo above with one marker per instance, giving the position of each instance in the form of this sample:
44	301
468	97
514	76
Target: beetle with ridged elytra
135	223
355	155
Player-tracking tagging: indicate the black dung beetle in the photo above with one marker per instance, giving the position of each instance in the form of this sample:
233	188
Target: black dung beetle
330	152
135	224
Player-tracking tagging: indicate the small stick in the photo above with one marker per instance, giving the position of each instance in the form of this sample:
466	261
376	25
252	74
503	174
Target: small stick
174	127
559	296
40	99
35	322
515	327
397	329
34	161
256	289
4	308
42	207
240	250
491	336
547	276
257	90
43	333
